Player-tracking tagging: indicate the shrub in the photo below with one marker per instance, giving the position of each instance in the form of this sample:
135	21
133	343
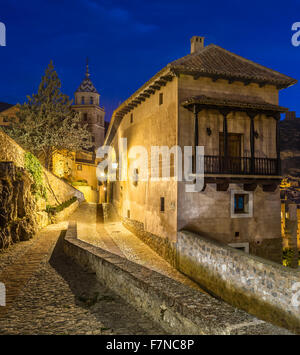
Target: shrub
80	183
34	167
287	256
52	210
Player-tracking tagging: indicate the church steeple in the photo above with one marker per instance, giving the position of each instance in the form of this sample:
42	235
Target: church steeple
87	73
87	85
87	102
87	94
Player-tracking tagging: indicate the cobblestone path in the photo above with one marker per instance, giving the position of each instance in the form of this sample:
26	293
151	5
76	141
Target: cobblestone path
48	294
115	238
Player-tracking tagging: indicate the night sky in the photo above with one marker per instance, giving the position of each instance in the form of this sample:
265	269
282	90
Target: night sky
127	42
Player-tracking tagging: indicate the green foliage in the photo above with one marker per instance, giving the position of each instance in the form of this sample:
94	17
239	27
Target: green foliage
287	256
34	167
46	123
80	183
52	210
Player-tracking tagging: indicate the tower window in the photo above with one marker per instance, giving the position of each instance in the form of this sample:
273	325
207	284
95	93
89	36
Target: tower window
91	100
131	117
161	98
82	100
85	116
162	204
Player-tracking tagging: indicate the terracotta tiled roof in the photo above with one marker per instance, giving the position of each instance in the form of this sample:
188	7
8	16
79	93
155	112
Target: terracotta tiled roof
232	100
213	60
4	106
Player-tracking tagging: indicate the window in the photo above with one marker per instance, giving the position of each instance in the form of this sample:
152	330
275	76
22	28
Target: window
241	204
82	100
79	167
162	204
85	116
93	139
161	98
128	213
240	246
91	100
131	117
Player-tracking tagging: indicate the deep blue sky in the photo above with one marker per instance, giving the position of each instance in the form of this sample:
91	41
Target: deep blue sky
127	42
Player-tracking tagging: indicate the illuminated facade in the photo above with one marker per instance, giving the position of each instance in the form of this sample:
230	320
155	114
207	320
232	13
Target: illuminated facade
229	105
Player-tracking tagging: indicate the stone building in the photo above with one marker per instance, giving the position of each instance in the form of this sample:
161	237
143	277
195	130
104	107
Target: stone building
7	111
228	104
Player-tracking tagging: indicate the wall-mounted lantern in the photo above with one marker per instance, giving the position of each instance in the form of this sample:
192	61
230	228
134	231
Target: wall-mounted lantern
208	131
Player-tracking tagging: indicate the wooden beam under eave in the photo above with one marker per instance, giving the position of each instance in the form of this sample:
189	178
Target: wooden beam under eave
141	98
136	101
124	112
154	86
250	187
196	76
150	91
145	95
270	187
160	82
167	77
222	186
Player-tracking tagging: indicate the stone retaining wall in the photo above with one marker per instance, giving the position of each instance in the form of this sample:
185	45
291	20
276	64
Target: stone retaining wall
65	213
58	190
259	286
177	308
162	246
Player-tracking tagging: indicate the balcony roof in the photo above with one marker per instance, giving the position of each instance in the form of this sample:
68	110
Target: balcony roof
234	101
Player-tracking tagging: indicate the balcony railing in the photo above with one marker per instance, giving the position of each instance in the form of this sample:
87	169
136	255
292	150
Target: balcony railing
239	165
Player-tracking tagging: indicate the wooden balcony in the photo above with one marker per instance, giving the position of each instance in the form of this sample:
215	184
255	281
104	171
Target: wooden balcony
241	166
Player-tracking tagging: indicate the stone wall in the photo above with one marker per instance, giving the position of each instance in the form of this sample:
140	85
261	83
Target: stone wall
18	218
58	191
162	246
21	212
177	308
65	213
260	287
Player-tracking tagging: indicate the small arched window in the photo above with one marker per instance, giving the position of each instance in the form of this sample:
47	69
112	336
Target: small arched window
82	100
91	100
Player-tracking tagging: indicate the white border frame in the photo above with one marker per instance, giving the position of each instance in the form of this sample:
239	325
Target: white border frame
240	245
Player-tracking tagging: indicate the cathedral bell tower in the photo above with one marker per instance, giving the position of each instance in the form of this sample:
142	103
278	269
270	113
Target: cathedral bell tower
87	102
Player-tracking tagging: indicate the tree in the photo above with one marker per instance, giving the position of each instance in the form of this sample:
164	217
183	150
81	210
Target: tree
47	124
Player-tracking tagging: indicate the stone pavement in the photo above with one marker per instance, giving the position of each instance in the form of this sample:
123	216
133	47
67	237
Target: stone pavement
115	238
48	294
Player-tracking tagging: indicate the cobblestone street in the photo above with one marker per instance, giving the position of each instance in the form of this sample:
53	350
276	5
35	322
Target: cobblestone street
48	294
115	238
